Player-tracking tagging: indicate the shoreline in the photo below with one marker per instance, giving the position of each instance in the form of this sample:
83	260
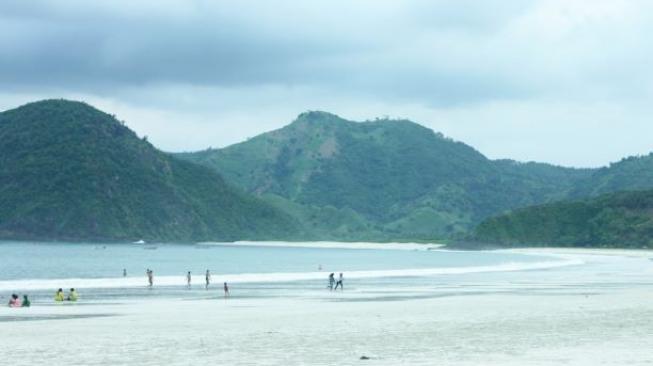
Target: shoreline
619	252
331	245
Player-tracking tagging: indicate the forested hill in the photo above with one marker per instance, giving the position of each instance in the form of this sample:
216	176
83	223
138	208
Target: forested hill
382	179
632	173
622	219
71	172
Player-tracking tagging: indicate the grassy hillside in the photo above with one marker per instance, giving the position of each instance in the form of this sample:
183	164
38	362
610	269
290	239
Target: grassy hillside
69	171
383	179
622	219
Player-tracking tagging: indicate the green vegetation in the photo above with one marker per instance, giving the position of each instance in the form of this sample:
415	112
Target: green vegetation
622	219
629	174
381	180
71	172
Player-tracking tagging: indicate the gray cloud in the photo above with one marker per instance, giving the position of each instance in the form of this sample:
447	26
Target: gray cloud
497	74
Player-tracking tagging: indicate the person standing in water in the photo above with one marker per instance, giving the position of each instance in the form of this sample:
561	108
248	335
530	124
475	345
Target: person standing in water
332	281
124	272
339	283
226	290
150	277
207	278
188	279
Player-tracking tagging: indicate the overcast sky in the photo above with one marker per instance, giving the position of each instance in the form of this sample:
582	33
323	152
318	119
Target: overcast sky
566	82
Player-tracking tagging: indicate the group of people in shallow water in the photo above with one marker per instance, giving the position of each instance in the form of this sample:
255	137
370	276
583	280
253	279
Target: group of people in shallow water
333	284
189	278
72	295
15	302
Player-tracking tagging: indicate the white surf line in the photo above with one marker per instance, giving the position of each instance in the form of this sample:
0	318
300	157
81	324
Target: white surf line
571	251
331	245
134	282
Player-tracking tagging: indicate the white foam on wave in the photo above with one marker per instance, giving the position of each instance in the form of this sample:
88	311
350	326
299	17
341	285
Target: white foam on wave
330	245
134	282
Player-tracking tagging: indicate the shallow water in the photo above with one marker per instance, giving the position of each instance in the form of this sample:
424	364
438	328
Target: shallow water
257	271
29	260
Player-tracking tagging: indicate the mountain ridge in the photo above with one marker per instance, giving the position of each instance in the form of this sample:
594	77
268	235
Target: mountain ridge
71	172
411	175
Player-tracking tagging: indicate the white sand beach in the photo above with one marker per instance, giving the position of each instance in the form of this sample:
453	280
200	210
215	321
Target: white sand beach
575	329
555	316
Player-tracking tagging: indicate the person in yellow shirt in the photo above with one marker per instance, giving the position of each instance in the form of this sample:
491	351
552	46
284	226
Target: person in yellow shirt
72	295
59	296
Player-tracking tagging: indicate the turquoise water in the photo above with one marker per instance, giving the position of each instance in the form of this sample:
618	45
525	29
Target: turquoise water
28	260
38	269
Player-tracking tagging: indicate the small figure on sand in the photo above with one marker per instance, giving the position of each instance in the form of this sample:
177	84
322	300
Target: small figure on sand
226	290
332	281
207	278
26	302
188	278
124	272
14	301
339	283
150	277
72	295
59	296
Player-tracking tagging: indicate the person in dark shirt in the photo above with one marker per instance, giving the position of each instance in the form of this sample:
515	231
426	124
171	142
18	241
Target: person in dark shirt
339	283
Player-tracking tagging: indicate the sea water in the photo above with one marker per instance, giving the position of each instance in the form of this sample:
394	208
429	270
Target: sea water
264	269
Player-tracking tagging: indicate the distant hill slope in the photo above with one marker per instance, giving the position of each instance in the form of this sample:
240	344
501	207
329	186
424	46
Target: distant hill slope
69	171
622	219
385	179
632	173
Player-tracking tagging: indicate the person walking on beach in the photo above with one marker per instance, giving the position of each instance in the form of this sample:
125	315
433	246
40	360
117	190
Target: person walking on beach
332	281
226	290
150	277
207	278
188	279
339	283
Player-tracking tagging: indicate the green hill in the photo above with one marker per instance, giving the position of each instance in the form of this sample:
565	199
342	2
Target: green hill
622	219
69	171
383	179
629	174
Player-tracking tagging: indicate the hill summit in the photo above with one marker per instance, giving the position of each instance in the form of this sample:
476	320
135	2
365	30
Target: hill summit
69	171
381	180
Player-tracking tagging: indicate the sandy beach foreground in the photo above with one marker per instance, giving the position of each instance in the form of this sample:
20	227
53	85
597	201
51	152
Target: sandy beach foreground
547	317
